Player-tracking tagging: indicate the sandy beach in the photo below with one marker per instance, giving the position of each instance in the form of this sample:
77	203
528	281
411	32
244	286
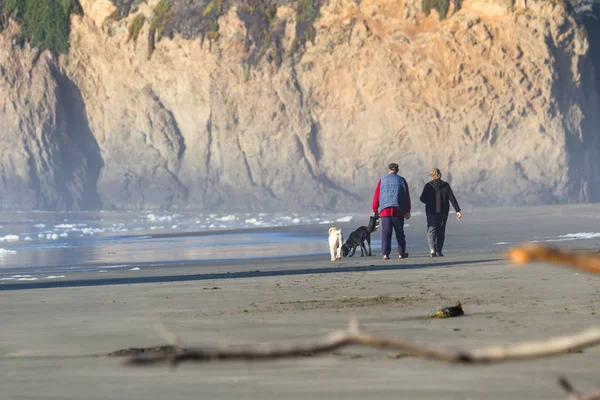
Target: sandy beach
230	303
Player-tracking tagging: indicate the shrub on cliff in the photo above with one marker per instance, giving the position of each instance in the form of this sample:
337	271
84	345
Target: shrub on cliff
2	16
263	38
307	12
211	15
123	8
45	24
441	6
162	14
136	27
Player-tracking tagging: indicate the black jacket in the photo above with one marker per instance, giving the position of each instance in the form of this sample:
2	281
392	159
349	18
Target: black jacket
436	196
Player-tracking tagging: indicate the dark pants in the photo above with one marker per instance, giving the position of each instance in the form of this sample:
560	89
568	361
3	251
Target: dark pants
387	224
436	231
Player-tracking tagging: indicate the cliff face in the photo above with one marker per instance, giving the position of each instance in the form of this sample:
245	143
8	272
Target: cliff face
50	158
502	100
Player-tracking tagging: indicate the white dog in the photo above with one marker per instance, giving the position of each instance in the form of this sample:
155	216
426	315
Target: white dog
336	240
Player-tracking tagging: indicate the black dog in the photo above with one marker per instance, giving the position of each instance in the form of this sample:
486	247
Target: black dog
358	238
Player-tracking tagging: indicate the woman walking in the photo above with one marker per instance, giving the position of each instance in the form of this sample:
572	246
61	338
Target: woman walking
437	195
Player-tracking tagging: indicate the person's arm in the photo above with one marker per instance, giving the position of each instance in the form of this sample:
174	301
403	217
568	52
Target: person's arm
423	197
454	203
407	216
375	205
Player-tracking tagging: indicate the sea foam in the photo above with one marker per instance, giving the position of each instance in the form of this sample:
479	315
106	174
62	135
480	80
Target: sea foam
582	235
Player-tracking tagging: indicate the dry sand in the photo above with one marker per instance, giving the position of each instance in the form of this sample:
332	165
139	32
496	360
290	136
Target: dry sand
303	298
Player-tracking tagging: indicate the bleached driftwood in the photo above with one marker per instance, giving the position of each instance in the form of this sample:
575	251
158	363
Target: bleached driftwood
354	336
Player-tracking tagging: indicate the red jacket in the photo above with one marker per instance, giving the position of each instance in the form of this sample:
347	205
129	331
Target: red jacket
390	211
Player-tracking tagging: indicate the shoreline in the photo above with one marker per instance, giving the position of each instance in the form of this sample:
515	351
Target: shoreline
270	272
486	233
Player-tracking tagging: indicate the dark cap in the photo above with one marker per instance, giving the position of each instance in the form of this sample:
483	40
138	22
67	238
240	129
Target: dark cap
393	167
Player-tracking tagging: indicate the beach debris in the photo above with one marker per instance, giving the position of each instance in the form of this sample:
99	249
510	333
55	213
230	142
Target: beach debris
448	312
136	351
353	335
398	356
352	356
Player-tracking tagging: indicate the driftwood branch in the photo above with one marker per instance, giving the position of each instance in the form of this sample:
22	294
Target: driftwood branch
533	252
354	336
574	394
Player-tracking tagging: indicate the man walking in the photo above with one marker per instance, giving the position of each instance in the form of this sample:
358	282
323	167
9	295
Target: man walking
392	202
436	196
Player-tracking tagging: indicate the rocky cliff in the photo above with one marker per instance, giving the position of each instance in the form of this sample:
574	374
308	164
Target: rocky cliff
299	105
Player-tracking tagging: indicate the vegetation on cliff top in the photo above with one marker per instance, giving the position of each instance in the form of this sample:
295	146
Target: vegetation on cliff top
190	19
135	27
161	15
211	15
200	18
307	13
441	6
44	24
124	7
2	16
263	34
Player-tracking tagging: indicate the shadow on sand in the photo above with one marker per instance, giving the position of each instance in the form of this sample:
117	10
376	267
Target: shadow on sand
230	275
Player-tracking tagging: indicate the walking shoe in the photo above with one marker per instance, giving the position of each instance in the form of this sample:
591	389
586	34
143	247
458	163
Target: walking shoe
403	255
439	254
386	257
432	253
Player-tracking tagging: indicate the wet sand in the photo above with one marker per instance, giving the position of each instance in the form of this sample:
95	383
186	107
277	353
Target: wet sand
299	298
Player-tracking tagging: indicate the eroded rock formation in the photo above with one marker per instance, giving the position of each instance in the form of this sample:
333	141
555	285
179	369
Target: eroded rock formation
501	97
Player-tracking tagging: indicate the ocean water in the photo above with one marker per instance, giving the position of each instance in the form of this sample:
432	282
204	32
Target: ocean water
38	246
103	240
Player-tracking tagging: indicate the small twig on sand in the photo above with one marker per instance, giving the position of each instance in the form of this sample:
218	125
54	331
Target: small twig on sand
574	394
355	336
533	252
